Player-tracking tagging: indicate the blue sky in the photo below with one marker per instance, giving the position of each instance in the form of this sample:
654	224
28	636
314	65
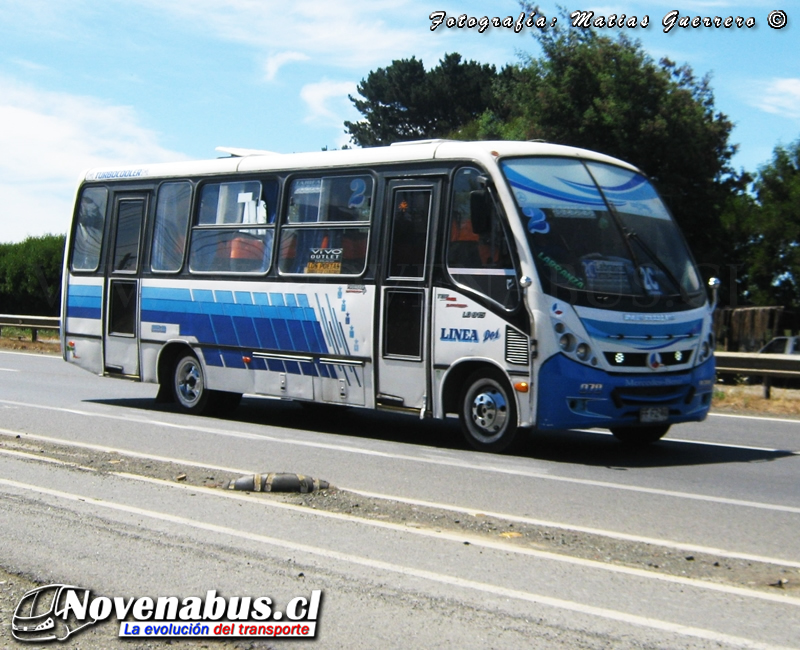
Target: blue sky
84	84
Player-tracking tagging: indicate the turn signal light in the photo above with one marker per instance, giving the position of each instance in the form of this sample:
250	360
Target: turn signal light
521	387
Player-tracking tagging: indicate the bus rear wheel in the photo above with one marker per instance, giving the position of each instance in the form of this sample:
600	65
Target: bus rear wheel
189	384
640	435
190	391
488	412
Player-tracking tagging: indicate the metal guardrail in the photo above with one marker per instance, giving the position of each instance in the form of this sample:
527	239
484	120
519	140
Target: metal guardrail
33	323
762	365
753	364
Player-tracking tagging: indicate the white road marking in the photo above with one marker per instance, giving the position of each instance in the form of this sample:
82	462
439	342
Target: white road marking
694	548
461	464
705	443
625	537
753	417
291	545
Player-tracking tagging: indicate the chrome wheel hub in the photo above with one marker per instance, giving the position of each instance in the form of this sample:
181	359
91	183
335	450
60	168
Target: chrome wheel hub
189	382
489	410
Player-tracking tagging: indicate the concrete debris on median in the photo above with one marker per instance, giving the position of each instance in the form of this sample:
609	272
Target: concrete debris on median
275	482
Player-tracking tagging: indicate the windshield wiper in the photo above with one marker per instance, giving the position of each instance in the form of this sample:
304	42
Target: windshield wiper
631	234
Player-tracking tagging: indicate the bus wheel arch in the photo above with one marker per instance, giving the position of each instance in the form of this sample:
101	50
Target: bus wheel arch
486	406
165	366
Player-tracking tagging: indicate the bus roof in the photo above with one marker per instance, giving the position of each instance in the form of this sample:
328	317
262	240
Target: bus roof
251	160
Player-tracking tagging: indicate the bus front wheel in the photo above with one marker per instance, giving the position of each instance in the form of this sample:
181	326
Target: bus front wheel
488	412
640	435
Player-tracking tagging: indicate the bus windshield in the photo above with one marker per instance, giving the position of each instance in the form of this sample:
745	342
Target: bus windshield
601	237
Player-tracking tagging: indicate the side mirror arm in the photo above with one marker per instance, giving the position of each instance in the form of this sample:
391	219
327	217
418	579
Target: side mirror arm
714	284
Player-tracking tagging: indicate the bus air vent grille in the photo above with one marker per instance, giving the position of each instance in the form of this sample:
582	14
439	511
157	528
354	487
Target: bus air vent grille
517	350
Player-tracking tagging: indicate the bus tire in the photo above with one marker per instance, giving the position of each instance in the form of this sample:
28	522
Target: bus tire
189	384
640	435
488	411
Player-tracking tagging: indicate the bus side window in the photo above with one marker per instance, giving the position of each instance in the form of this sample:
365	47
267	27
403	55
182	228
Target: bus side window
87	241
235	228
326	226
481	260
171	223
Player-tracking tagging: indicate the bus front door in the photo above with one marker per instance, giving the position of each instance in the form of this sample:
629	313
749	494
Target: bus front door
121	340
404	362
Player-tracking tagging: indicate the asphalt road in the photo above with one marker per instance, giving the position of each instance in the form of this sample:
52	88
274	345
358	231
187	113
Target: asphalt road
573	541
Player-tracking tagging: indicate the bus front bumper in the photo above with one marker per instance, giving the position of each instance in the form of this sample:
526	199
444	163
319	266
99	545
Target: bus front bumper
572	395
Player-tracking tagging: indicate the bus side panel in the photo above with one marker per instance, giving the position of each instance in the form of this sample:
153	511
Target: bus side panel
83	324
277	339
464	330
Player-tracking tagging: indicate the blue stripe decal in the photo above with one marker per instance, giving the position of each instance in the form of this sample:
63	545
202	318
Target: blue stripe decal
90	302
84	301
85	290
83	312
247	320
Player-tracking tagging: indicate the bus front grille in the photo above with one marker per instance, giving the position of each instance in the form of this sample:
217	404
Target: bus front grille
648	395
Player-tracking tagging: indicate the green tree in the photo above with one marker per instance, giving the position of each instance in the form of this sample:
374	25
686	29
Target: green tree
768	224
30	276
405	102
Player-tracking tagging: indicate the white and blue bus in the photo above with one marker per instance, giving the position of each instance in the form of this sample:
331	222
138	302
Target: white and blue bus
510	284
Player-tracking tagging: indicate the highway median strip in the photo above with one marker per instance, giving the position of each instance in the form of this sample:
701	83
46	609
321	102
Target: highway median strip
517	534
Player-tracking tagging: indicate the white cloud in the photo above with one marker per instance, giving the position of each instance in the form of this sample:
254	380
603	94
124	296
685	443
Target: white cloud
277	61
29	66
320	96
780	97
361	33
47	139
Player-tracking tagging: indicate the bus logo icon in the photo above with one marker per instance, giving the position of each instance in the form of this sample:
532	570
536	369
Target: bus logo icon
43	614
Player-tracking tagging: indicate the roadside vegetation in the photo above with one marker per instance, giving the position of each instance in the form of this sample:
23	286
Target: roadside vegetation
30	276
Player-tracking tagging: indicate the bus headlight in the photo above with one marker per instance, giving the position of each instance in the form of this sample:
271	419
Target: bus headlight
567	342
573	346
706	349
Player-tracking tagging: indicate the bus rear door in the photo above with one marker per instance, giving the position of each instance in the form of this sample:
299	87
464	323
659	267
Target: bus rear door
121	339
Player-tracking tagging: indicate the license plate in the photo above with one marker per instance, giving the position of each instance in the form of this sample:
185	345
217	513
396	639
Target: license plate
654	414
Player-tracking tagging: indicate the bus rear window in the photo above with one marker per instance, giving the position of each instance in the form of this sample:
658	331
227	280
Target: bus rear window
87	241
